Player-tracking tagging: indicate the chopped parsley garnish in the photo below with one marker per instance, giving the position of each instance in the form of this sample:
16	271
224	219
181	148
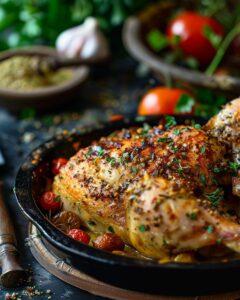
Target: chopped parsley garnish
215	197
89	151
71	166
170	121
203	179
144	130
210	229
202	150
197	126
219	241
173	148
192	215
58	198
100	151
164	242
111	229
142	228
175	160
234	166
134	169
180	169
217	170
111	160
164	140
176	131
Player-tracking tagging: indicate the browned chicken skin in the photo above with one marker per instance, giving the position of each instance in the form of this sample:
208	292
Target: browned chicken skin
158	189
226	128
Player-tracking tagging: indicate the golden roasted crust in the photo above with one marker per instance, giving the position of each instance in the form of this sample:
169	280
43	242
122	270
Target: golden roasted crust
96	181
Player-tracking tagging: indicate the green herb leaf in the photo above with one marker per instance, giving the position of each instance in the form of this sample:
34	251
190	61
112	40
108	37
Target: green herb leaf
234	166
58	198
192	215
192	63
157	40
197	126
210	229
185	104
203	179
219	241
111	160
176	131
170	121
215	197
217	170
202	150
134	169
214	38
142	228
100	151
175	40
111	229
164	140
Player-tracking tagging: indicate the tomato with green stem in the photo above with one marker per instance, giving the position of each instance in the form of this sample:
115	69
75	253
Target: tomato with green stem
57	164
164	100
50	202
196	35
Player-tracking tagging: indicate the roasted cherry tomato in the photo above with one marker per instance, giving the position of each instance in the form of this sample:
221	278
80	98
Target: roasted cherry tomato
79	235
57	164
190	27
109	242
50	202
160	101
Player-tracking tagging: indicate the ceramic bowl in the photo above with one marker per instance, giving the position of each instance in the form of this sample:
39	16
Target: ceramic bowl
42	98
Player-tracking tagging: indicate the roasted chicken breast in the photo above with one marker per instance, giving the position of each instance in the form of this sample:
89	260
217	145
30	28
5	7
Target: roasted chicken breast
158	188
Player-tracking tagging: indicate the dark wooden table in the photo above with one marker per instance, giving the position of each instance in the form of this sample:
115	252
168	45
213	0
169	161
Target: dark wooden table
111	90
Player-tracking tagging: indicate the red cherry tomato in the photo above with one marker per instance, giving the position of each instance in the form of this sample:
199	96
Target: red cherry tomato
189	26
79	235
57	164
50	202
160	101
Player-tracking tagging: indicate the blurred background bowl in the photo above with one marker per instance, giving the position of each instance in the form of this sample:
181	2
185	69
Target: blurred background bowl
157	16
45	97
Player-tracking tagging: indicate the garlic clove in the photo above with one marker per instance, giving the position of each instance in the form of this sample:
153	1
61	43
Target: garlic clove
84	41
74	47
64	39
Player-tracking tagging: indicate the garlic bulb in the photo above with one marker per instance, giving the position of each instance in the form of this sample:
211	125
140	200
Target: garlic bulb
84	41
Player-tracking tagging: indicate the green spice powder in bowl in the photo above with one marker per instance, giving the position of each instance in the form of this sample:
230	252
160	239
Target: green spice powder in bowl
21	85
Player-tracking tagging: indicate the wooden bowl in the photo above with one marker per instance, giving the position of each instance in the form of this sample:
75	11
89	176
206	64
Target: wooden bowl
46	97
156	16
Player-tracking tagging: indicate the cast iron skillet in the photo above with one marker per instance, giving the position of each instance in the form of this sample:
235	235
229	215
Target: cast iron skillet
134	274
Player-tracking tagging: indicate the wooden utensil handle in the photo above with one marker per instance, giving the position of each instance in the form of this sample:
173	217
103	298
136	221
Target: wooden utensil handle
12	273
7	235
